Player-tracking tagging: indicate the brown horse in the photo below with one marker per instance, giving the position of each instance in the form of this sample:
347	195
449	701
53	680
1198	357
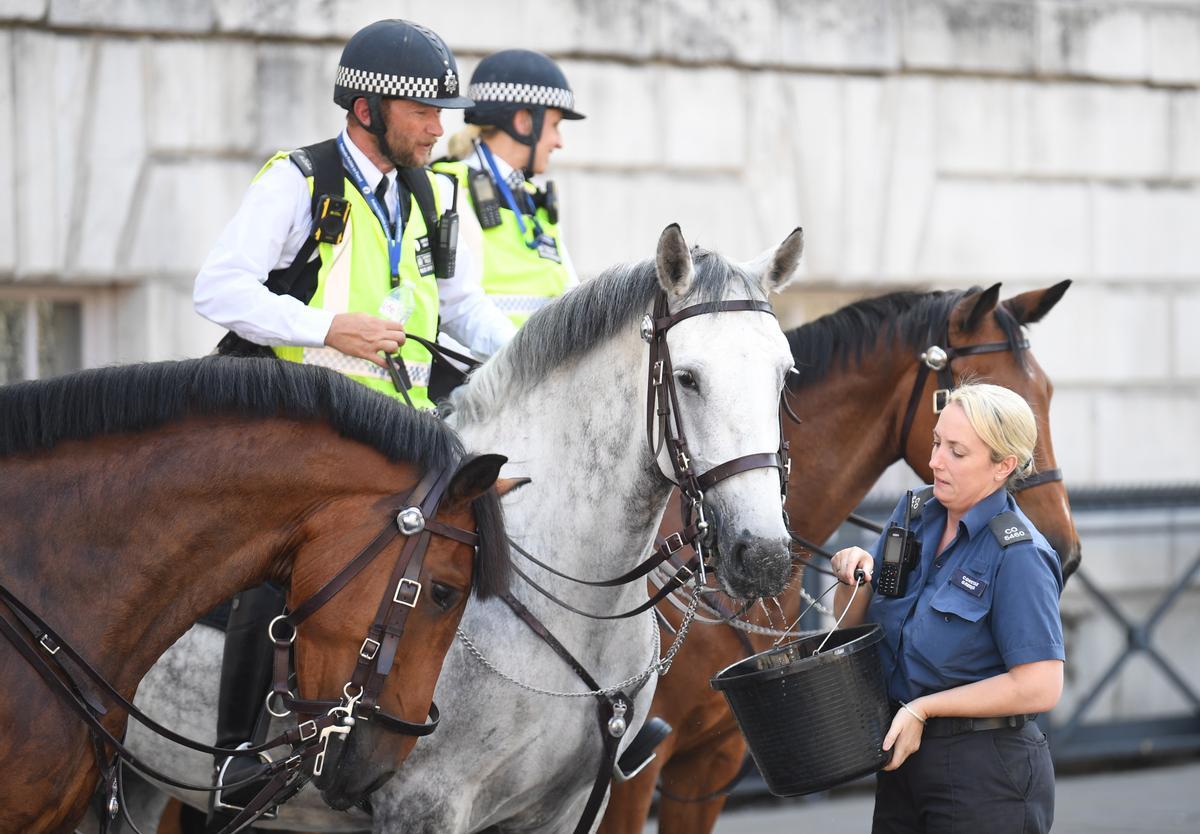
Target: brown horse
856	373
134	499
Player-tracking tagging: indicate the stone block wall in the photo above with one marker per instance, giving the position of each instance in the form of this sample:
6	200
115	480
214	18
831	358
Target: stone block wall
921	143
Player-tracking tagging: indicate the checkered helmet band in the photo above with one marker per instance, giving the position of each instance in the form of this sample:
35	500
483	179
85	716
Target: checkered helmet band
400	86
508	92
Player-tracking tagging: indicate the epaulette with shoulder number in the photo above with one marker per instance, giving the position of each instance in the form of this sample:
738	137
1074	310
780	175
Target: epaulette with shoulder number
1009	529
919	498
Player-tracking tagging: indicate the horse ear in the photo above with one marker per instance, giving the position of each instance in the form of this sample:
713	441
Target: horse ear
1032	306
983	305
776	267
506	485
674	261
475	476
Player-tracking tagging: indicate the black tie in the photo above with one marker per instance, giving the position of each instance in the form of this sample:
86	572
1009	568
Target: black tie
381	191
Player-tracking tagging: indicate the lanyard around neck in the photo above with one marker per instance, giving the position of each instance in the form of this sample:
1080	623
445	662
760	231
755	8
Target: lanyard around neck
507	194
393	232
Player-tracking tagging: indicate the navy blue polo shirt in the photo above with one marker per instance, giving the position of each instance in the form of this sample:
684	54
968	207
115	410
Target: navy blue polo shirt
975	611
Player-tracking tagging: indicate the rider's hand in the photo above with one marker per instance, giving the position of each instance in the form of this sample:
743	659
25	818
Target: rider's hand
365	336
846	562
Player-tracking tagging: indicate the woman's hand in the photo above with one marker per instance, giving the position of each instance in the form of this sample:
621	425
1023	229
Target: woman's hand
846	562
904	736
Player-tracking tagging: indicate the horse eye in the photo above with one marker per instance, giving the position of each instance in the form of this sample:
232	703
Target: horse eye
688	380
444	596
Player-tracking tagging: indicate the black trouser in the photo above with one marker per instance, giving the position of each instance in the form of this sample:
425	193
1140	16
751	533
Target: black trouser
994	781
246	663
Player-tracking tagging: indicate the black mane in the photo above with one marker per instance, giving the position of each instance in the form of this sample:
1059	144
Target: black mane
914	319
39	415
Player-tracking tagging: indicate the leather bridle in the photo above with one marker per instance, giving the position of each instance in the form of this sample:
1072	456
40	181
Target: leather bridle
938	360
662	413
413	517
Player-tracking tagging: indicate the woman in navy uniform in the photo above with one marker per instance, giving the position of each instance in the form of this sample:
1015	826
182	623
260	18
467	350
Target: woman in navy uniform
973	646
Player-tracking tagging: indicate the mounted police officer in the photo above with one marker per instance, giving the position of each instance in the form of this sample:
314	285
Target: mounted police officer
339	252
973	645
521	98
379	229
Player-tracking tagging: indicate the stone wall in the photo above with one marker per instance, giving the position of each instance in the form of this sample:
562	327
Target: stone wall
921	143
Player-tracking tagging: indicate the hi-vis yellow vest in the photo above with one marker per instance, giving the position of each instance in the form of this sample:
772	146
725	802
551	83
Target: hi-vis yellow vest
355	277
518	279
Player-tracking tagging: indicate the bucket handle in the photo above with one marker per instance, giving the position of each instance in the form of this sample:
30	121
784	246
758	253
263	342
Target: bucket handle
861	578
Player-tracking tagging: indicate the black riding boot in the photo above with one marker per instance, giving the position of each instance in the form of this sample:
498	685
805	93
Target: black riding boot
245	679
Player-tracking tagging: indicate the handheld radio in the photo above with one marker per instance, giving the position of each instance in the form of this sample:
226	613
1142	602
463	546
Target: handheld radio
483	195
445	251
900	554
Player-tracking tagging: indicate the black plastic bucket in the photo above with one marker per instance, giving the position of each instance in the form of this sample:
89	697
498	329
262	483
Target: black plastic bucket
812	722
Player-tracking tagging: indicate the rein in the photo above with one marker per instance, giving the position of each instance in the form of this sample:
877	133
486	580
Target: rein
309	739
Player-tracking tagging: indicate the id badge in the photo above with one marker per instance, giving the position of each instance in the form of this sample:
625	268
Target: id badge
424	256
548	249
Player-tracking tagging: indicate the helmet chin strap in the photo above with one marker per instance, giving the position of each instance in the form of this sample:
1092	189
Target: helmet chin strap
375	108
531	139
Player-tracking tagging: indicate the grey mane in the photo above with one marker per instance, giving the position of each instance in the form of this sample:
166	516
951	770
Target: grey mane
587	316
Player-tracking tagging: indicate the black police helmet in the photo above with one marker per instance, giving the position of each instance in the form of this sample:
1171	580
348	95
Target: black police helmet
518	79
397	59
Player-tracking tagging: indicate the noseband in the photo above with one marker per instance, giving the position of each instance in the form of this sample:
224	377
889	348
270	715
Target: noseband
939	359
662	401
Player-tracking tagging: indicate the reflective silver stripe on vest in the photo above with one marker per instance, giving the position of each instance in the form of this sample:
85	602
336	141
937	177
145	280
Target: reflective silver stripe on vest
335	360
520	303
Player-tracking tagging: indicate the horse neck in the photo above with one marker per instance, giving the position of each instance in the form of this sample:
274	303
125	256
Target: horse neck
849	434
594	501
125	541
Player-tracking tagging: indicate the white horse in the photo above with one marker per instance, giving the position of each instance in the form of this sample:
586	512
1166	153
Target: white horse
566	402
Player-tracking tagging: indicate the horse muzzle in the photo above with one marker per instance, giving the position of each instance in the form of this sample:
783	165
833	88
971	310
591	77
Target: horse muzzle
752	566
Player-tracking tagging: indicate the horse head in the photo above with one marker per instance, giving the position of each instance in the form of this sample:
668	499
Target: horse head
423	595
980	318
727	369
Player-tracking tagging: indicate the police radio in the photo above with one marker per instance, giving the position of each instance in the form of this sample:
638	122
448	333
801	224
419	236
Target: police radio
901	551
445	251
483	195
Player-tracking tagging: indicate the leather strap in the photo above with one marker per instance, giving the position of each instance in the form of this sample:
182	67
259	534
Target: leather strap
1046	476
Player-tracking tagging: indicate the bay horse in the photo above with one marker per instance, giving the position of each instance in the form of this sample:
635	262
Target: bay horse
566	402
136	498
857	372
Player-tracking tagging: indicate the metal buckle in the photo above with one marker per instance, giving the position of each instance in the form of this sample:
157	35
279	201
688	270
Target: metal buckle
658	372
410	521
940	398
368	653
286	712
673	543
48	644
416	593
683	580
276	640
308	730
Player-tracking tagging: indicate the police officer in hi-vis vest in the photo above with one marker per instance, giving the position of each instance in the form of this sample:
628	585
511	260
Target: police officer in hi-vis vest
521	97
339	251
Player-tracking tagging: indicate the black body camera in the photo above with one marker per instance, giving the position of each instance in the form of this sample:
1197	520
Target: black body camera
901	551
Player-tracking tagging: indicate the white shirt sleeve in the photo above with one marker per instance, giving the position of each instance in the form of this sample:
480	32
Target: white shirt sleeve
265	234
468	314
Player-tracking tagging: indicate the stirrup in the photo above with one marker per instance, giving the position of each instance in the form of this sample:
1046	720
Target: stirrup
220	804
640	751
